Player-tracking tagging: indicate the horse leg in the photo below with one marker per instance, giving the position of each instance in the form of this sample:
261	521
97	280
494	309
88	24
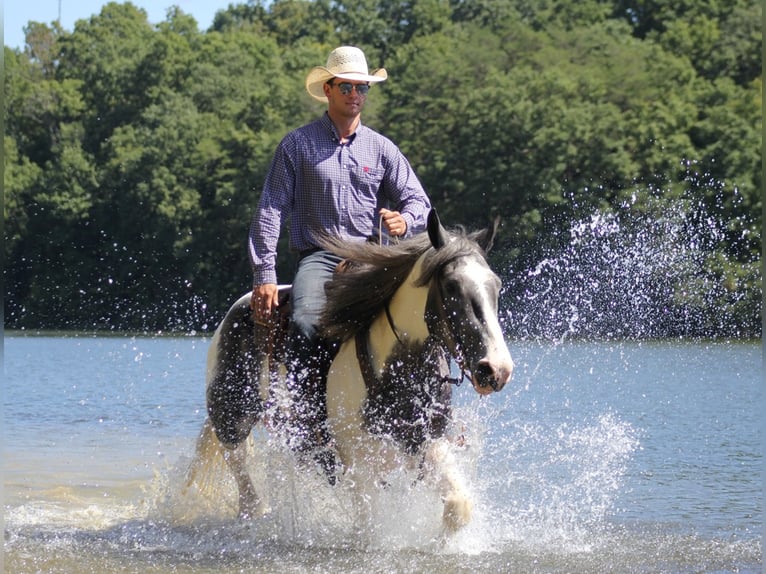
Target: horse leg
237	361
458	506
233	420
307	385
249	502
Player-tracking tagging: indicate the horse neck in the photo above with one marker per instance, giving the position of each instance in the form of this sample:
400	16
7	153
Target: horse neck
407	308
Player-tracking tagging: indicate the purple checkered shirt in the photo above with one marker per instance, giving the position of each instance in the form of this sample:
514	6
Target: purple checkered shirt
323	186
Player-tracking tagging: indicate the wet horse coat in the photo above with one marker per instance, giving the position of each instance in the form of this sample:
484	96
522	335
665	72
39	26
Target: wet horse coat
397	311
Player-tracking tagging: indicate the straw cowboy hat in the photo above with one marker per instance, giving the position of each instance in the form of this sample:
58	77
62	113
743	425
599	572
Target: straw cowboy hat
347	63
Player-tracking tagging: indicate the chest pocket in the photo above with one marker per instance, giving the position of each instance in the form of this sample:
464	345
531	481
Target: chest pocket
367	179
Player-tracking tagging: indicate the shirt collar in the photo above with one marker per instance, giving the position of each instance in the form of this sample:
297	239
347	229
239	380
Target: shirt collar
330	127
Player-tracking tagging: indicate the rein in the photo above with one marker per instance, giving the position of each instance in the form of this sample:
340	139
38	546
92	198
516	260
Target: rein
391	324
394	238
464	372
436	352
371	380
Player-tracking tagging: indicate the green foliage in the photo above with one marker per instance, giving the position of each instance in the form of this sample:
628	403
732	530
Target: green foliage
20	177
135	152
718	37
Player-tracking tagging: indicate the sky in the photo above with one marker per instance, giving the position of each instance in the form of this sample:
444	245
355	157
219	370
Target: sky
17	13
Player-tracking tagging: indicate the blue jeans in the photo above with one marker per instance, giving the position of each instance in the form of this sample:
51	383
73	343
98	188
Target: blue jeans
308	296
310	355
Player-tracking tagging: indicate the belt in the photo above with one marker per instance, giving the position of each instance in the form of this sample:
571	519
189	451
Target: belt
306	252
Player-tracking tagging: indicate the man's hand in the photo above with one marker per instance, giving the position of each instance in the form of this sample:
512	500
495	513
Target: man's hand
394	222
263	302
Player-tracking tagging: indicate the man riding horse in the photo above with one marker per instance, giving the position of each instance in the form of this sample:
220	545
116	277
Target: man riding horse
397	312
332	177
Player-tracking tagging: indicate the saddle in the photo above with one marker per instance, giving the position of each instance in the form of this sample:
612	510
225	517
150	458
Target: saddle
273	334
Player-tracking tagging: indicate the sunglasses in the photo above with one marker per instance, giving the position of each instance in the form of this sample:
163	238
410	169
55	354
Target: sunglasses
346	87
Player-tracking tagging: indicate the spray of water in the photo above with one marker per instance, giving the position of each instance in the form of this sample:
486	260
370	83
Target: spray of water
299	506
647	269
532	489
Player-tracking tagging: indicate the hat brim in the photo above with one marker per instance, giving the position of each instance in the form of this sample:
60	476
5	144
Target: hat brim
319	75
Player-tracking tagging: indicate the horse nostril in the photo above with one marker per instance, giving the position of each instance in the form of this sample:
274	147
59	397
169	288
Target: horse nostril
484	369
485	374
495	376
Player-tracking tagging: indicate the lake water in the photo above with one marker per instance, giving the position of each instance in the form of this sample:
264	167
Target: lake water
599	457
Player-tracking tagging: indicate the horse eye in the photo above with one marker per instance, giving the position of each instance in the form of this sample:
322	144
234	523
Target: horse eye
478	310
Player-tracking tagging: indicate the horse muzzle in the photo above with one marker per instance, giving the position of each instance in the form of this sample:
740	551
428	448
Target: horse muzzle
488	378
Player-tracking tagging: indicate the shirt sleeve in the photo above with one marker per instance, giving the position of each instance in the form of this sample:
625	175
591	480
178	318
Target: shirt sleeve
273	210
405	192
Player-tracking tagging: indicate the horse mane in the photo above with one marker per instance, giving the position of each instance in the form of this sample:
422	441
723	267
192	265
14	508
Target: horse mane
357	294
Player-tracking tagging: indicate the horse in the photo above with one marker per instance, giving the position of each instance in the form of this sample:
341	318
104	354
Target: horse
398	313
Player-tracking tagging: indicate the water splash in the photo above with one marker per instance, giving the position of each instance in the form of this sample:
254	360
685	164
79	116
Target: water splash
564	496
545	501
533	489
300	507
545	487
645	270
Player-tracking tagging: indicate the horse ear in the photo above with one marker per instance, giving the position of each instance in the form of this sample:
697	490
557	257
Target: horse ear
436	233
486	238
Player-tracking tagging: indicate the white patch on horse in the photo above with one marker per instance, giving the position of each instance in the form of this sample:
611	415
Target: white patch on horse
480	275
345	401
407	307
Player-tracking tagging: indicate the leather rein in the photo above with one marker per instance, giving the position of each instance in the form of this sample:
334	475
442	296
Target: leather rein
372	381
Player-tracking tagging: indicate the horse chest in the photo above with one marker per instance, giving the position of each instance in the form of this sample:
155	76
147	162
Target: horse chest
346	391
408	402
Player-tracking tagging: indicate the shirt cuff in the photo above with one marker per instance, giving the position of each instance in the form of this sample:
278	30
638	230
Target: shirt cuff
410	221
263	276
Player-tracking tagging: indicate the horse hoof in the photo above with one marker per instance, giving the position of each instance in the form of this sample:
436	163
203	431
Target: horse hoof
250	509
457	512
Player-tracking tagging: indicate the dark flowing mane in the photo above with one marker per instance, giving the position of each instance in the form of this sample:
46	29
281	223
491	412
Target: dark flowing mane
356	295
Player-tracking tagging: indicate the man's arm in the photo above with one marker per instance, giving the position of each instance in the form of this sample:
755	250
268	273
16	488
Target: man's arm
274	206
408	197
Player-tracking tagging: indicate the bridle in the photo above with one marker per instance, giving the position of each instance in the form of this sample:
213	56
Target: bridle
455	352
372	381
363	353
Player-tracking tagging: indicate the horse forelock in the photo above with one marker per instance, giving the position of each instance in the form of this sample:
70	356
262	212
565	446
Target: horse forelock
356	295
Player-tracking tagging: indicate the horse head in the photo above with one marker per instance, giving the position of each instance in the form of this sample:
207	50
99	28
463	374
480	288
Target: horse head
462	305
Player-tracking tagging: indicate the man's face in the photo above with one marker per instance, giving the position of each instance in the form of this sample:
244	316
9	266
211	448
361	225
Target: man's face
345	97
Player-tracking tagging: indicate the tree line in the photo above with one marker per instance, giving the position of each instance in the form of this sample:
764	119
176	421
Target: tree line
135	152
